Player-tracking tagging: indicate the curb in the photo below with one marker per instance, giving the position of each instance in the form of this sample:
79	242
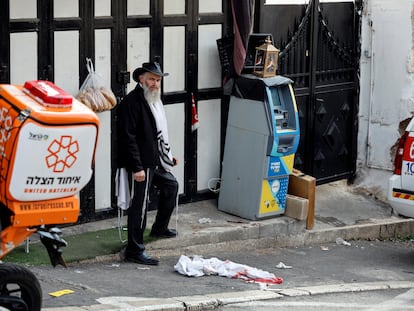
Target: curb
212	301
284	233
382	229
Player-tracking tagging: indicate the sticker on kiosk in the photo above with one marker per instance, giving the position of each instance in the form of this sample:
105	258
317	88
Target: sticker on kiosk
48	94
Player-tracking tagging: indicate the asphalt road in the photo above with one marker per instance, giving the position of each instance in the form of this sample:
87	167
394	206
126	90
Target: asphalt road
327	264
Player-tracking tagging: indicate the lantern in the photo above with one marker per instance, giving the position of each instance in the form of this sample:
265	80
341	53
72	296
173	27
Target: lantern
265	64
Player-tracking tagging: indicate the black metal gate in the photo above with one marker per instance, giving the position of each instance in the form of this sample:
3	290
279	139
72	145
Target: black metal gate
319	51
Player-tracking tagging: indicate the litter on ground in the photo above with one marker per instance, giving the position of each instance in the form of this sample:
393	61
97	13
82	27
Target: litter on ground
281	265
204	221
61	292
341	241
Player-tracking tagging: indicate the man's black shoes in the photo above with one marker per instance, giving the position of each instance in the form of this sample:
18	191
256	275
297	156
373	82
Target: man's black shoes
169	233
143	259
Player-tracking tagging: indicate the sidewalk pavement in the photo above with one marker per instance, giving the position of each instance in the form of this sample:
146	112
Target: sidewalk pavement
341	211
214	301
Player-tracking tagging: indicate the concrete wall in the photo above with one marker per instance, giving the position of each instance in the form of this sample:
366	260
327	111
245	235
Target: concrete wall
387	93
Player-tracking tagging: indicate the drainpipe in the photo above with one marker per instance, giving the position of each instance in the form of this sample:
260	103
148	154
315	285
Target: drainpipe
371	55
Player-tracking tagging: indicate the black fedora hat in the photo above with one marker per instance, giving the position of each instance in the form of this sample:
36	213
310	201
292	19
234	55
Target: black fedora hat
154	68
137	72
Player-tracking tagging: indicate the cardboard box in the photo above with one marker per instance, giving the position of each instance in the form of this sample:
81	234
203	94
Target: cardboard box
304	186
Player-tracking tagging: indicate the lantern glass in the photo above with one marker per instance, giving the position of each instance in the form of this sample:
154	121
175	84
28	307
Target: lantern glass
266	59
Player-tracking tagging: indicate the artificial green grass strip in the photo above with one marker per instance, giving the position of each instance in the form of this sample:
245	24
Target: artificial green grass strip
80	247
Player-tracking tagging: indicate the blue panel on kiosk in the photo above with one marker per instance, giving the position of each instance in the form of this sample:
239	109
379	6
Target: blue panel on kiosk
285	120
277	166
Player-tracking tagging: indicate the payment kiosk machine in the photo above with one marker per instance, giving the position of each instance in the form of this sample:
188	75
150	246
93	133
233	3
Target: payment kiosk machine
261	140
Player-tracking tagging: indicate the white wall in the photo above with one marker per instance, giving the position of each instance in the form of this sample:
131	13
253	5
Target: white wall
387	93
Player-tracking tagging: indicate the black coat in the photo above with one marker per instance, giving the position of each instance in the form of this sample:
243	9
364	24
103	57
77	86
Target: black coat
137	133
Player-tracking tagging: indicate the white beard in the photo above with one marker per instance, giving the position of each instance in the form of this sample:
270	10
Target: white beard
151	96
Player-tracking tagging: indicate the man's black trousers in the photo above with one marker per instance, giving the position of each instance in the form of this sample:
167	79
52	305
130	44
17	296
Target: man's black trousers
167	186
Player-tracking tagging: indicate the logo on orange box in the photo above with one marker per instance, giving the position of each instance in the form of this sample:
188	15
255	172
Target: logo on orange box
62	154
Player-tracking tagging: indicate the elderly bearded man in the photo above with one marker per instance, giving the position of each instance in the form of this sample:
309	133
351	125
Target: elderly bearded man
145	153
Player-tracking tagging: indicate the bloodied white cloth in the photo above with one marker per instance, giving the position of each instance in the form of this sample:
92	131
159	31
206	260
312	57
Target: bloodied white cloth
198	266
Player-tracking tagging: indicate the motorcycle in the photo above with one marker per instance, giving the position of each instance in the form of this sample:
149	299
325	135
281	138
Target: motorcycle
59	134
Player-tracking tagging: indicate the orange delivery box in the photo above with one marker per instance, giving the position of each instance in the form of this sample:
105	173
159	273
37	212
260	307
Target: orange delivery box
47	147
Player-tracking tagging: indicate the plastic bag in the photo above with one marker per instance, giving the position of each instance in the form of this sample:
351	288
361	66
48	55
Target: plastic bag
93	93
